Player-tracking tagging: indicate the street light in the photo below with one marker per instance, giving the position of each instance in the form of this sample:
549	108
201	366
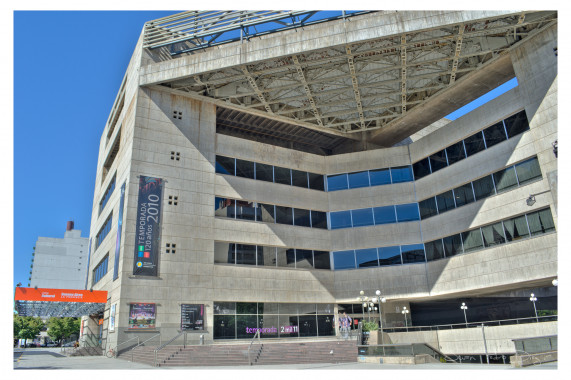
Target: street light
381	301
555	282
533	298
362	298
405	311
464	307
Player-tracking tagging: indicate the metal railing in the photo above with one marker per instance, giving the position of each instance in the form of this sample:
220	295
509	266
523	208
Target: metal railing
115	351
167	343
403	349
143	343
257	334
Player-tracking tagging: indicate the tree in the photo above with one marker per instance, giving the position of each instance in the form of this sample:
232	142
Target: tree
59	328
27	327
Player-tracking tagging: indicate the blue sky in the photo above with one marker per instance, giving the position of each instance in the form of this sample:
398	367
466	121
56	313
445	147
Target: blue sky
68	67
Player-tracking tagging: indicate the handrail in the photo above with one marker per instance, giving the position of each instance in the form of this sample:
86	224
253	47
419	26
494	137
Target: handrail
167	343
143	343
257	334
120	344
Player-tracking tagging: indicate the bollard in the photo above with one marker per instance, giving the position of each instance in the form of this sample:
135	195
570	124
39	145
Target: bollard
202	340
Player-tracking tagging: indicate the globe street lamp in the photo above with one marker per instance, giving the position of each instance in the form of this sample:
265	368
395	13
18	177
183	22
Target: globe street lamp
405	311
362	298
533	298
464	307
381	300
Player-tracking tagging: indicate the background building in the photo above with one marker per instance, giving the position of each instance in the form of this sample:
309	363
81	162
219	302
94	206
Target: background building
263	183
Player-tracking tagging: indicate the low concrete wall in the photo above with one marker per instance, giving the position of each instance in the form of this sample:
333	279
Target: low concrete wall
527	360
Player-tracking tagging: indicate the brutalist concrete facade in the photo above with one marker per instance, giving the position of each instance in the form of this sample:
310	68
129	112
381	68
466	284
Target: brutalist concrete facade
143	139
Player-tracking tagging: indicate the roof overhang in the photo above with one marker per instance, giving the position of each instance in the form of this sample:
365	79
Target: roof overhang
41	302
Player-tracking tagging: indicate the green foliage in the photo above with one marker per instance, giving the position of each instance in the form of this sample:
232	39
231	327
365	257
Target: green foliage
370	326
59	328
541	313
27	327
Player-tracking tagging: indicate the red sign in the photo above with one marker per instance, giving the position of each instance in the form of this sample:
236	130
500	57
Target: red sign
60	295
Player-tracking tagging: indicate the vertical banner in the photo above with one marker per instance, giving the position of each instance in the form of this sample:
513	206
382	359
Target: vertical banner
147	236
112	318
191	317
142	316
119	229
88	260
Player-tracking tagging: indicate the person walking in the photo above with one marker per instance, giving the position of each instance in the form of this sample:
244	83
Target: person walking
344	325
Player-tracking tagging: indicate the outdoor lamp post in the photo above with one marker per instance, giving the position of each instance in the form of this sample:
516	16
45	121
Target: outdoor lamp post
464	307
381	300
555	282
405	311
533	298
362	298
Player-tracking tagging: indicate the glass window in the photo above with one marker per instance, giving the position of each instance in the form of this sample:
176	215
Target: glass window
464	195
340	219
288	308
321	260
224	165
434	250
325	308
268	308
384	215
245	254
484	187
265	213
474	144
286	257
455	152
268	322
225	207
344	260
495	134
282	175
363	217
304	258
224	327
380	177
493	234
318	219
413	253
316	181
284	215
246	308
516	228
452	245
244	168
224	253
421	168
407	212
427	208
445	201
266	256
540	222
366	257
472	240
337	182
325	325
401	174
264	172
289	326
224	307
245	210
516	124
299	178
244	326
389	256
359	179
528	171
301	217
307	325
438	161
505	179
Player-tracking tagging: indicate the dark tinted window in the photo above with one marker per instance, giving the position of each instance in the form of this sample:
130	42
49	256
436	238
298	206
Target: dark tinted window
266	256
413	253
316	181
528	171
438	161
245	254
427	208
340	219
264	172
244	168
299	178
495	134
384	215
474	144
407	212
304	258
540	222
225	207
318	219
380	177
455	152
343	260
301	217
284	215
472	240
224	327
493	234
245	210
286	257
505	179
337	182
445	201
401	174
421	168
282	175
389	256
434	250
224	165
516	228
359	179
452	245
321	260
246	308
363	217
484	187
366	258
265	213
516	124
464	195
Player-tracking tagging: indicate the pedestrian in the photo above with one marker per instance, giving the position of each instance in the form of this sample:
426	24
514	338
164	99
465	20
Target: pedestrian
344	325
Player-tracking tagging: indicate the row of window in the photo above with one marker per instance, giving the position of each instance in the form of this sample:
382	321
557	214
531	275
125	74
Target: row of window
368	178
246	210
103	231
107	194
374	216
374	257
495	183
245	254
265	308
501	131
100	270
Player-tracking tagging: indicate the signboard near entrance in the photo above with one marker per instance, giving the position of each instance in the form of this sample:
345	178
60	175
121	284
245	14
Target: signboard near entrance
191	317
142	316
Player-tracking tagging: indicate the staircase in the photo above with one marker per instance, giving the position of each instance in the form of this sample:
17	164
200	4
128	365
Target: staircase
309	352
85	351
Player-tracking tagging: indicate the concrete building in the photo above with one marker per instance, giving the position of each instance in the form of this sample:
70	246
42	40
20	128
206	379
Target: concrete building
60	263
262	182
